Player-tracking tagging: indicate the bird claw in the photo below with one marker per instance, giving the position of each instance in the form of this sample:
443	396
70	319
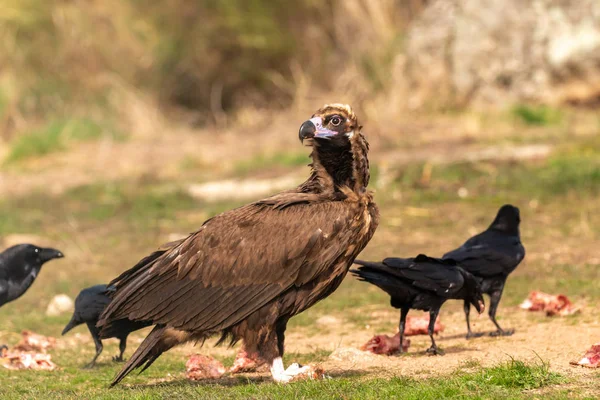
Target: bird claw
434	351
118	359
501	332
89	366
292	372
472	335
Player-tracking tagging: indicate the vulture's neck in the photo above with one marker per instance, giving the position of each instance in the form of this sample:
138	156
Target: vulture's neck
337	167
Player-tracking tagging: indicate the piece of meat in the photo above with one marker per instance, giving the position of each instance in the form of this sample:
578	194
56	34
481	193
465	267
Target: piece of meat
591	359
32	342
419	325
27	360
386	345
550	304
199	367
248	362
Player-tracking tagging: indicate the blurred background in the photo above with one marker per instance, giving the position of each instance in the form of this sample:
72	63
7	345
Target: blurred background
125	124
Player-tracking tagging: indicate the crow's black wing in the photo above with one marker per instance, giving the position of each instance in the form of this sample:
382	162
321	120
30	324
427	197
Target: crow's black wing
432	274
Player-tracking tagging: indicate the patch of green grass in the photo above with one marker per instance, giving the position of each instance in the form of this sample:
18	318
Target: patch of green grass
537	115
263	161
565	172
55	136
140	203
516	374
505	381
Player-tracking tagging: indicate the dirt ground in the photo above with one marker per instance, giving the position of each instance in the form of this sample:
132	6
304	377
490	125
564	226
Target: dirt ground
556	340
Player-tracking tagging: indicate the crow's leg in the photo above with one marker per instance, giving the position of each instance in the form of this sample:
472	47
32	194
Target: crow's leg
470	333
433	350
467	307
402	326
94	331
122	347
494	301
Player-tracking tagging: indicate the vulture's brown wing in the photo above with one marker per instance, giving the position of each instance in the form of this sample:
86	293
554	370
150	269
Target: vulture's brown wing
236	263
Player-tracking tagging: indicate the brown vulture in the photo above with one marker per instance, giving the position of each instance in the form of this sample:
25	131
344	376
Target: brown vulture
247	271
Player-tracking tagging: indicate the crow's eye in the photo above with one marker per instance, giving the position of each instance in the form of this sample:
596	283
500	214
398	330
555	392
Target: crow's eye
335	120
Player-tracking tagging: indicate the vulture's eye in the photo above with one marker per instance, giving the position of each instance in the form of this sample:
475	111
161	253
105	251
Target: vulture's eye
335	120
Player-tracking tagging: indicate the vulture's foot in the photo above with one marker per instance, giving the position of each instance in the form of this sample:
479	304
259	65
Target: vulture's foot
435	351
294	372
502	332
118	359
89	366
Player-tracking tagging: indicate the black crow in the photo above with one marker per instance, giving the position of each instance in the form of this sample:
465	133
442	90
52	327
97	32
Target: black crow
89	304
421	283
491	256
19	266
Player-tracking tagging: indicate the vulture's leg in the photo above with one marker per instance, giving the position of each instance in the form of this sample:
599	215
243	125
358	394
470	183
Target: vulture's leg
402	326
94	331
433	350
494	301
122	347
276	347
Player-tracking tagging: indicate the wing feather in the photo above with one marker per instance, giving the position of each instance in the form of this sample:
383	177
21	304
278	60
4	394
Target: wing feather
236	263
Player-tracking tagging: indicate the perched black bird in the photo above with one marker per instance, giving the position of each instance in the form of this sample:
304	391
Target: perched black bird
421	283
491	256
19	266
89	304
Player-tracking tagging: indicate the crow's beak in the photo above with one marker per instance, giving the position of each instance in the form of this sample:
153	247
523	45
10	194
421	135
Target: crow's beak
313	128
50	254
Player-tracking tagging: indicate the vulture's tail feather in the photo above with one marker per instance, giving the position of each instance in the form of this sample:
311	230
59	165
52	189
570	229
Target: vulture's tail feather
150	349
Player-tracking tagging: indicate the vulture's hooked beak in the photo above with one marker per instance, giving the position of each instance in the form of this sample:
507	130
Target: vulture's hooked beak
313	128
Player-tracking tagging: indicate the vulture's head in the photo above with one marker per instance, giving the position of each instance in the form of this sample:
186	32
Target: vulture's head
340	150
332	125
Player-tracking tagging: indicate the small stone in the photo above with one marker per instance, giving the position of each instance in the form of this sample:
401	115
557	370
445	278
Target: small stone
60	304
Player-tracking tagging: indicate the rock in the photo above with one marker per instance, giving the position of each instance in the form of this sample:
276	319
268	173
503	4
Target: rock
505	52
60	304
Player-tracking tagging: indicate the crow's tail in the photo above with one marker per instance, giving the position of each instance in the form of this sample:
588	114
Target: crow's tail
72	324
370	264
